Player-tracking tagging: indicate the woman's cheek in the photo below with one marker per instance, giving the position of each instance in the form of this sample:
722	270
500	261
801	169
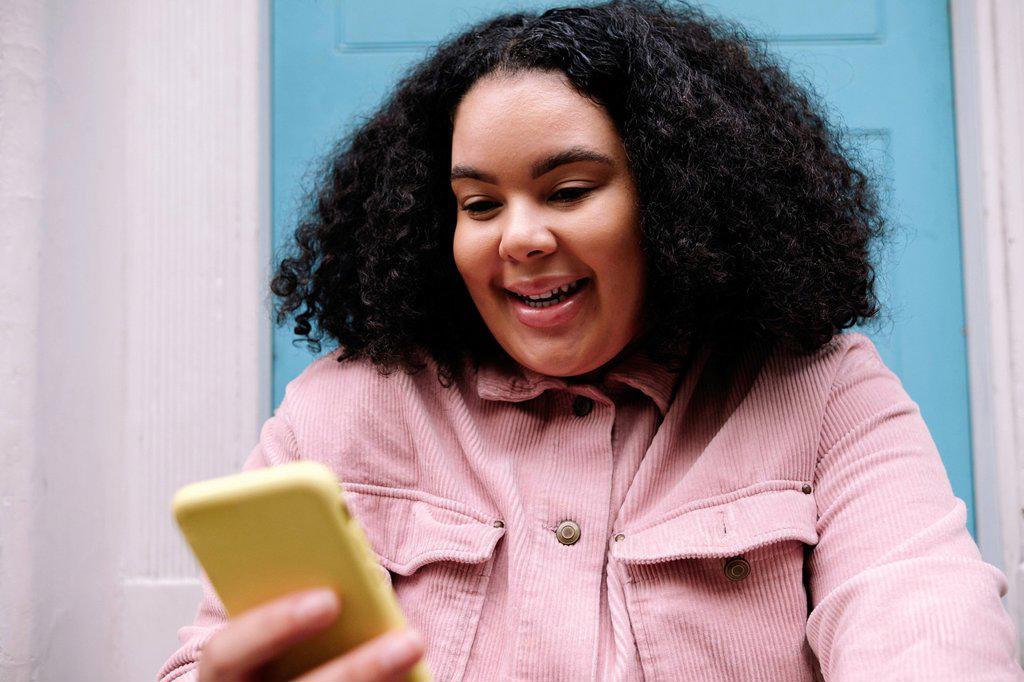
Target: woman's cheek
473	255
461	250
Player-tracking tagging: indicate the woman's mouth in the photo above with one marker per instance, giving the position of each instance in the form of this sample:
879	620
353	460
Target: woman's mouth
553	310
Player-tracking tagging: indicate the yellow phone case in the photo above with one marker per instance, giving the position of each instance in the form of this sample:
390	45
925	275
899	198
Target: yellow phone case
263	533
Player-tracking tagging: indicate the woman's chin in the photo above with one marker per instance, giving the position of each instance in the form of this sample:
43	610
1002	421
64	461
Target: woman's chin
564	361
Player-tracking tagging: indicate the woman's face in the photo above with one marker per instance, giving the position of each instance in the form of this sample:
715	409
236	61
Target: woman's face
545	198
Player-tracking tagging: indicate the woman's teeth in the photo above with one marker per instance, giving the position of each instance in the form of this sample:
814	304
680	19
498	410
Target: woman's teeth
552	297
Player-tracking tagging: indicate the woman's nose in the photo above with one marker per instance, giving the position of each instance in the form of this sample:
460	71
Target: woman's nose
525	235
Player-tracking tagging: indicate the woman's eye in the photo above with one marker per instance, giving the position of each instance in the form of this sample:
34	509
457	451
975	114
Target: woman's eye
570	194
566	195
479	207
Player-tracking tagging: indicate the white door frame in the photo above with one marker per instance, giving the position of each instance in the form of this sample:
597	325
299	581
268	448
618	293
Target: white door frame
988	64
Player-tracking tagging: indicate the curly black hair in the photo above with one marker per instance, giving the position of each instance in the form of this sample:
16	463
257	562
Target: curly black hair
756	220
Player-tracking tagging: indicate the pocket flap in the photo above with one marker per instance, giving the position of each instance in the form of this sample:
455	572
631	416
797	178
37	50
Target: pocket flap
408	530
723	530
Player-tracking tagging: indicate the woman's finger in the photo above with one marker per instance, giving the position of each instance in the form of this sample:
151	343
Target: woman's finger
381	659
258	635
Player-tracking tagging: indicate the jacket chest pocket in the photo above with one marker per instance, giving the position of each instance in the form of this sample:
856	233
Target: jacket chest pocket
719	593
438	556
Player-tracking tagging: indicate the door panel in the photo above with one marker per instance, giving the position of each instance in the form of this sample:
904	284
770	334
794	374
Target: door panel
882	67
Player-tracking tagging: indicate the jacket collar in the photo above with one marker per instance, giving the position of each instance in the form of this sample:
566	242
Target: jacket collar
507	380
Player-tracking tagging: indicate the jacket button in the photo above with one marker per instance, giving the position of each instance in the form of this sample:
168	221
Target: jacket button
737	568
568	532
582	405
807	489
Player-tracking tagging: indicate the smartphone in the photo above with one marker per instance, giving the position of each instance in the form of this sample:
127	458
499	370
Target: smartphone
263	533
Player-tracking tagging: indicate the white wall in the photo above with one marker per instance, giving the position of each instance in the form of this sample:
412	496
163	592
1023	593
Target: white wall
135	204
22	125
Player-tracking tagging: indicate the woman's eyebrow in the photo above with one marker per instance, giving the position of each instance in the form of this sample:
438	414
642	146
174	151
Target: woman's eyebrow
539	168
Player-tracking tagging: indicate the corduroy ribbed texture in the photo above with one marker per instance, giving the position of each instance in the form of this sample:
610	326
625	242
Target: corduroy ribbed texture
775	517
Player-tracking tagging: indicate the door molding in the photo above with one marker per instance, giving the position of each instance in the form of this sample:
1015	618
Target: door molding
988	70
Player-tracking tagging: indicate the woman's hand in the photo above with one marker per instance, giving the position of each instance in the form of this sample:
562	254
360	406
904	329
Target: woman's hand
255	637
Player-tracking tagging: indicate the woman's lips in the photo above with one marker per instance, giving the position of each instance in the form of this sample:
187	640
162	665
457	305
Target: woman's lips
553	315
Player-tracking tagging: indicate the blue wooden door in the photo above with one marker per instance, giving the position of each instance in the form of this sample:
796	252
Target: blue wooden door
882	66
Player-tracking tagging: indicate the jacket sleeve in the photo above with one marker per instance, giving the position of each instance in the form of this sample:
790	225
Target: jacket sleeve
898	588
276	446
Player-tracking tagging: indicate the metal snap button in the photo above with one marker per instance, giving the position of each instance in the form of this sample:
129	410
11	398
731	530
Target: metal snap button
737	568
499	524
619	537
807	489
568	532
582	405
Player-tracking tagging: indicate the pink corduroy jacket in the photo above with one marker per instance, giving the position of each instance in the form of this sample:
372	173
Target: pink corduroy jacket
779	517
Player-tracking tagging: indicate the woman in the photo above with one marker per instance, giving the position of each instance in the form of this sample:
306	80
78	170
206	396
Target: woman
624	247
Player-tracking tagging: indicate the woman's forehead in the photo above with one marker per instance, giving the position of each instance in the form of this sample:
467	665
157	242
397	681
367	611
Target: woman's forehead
525	120
534	102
